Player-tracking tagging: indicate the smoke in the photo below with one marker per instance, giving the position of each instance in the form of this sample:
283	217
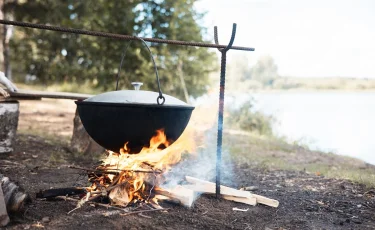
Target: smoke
201	164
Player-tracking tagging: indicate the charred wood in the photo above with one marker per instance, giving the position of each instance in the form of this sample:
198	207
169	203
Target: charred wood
51	193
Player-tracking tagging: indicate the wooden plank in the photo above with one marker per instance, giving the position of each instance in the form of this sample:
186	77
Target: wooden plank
266	201
4	218
210	187
245	200
184	195
13	99
23	94
226	194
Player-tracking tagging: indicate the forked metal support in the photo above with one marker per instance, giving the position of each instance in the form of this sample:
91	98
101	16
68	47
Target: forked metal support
221	104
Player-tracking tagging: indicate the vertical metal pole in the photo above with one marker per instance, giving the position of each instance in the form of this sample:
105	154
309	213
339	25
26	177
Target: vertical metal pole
220	120
221	105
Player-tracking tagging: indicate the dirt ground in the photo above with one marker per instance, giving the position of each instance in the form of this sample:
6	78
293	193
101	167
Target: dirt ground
307	201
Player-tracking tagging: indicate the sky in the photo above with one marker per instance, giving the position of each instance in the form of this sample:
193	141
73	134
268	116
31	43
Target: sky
306	38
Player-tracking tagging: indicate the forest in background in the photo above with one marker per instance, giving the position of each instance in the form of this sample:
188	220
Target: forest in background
46	57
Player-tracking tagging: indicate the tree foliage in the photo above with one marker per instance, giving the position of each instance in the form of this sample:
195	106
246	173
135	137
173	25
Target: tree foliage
247	119
264	70
62	57
262	74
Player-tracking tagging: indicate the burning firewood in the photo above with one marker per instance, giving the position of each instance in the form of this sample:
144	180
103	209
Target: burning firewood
129	178
125	179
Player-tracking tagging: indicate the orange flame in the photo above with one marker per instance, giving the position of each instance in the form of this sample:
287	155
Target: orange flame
135	175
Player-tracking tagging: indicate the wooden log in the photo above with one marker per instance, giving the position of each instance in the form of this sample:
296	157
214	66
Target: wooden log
14	196
9	112
210	187
81	141
4	218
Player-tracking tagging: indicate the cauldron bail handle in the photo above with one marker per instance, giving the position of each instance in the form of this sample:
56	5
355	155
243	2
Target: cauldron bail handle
160	97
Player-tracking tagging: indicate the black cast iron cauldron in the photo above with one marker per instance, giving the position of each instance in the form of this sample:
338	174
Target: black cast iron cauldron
133	116
117	117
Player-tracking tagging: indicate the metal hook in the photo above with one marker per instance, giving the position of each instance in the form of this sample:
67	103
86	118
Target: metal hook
234	28
155	68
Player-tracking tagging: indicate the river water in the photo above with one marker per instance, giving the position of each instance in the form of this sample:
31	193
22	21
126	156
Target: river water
338	122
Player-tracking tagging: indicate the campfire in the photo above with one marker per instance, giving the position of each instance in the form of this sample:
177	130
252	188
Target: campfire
128	180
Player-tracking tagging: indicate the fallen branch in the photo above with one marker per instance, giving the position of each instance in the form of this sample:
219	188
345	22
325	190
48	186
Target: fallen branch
109	206
90	202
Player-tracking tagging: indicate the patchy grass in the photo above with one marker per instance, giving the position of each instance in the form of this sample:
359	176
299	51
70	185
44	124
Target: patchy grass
272	153
85	88
48	137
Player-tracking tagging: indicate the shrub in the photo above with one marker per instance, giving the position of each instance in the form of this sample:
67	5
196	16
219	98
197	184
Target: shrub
247	119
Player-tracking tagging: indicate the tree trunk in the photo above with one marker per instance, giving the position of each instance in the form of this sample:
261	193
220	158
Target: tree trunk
6	50
181	75
7	35
9	112
2	29
81	141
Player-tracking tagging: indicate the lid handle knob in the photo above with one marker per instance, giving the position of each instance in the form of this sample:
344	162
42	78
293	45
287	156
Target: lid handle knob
137	85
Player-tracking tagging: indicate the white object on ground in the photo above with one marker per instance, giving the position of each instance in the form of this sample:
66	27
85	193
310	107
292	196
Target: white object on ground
240	209
7	83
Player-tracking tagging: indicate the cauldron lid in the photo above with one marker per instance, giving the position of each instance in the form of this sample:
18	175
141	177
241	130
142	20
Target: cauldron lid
135	97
